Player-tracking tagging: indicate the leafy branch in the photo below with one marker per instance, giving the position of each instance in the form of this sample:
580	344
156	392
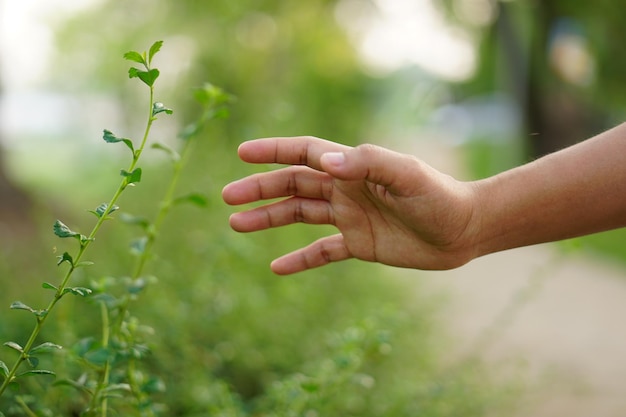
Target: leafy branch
130	176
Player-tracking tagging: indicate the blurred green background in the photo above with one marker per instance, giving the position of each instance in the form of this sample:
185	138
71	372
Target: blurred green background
501	82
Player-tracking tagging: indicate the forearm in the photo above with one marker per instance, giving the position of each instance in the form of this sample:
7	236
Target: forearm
577	191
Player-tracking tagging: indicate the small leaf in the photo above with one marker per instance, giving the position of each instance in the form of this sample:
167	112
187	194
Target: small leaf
83	264
101	210
135	220
37	372
190	131
98	357
4	369
41	313
171	152
156	47
135	56
148	77
138	246
75	384
14	346
160	108
193	198
132	177
49	286
81	291
18	305
66	257
33	361
46	347
153	386
61	230
109	137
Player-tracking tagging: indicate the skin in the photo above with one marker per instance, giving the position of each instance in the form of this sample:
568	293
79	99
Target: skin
395	209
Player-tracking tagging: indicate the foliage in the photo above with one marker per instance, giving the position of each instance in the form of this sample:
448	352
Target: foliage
217	334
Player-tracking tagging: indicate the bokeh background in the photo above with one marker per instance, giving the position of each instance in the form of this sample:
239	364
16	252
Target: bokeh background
471	86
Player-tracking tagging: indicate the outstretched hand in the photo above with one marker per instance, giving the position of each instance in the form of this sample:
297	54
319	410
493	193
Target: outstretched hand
388	207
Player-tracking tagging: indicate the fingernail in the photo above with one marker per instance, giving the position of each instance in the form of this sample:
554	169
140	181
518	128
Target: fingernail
335	158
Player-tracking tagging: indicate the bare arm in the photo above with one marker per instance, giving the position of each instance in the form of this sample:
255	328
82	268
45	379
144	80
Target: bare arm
394	209
574	192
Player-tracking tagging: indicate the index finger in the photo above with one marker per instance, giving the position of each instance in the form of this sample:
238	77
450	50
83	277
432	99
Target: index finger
298	150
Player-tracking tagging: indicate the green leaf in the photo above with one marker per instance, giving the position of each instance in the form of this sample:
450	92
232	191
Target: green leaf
37	372
135	56
101	210
132	177
33	361
4	369
46	347
81	291
14	346
153	386
190	131
193	198
156	47
98	357
75	384
109	137
83	264
135	220
171	152
138	246
66	257
18	305
61	230
160	108
49	286
148	77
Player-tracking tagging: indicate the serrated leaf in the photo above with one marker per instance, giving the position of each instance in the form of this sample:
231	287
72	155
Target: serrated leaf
61	230
14	346
101	210
18	305
171	152
148	77
109	137
37	372
132	177
4	369
46	347
160	108
81	291
66	257
135	57
193	198
49	286
156	47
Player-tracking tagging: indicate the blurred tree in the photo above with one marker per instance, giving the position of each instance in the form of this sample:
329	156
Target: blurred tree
559	59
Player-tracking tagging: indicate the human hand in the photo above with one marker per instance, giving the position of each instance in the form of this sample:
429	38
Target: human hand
388	207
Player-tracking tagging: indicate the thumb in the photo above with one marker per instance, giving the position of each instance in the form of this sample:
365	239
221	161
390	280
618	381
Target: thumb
375	164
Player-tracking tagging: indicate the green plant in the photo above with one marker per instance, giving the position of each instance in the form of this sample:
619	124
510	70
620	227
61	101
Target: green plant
120	343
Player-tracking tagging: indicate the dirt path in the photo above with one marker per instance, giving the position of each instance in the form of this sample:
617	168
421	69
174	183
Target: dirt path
568	333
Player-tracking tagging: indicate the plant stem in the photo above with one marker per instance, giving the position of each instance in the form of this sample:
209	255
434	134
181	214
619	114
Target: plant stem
76	259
